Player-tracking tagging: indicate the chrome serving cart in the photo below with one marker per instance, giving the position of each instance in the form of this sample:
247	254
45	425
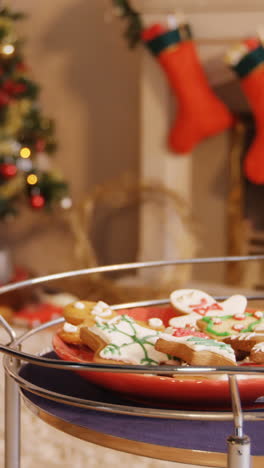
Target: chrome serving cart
89	418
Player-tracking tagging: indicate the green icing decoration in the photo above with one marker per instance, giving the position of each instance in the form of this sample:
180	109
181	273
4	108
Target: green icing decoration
206	342
113	348
210	324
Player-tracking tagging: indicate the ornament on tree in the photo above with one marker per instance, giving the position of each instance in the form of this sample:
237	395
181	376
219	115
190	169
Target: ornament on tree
40	145
8	170
4	98
201	114
247	60
37	201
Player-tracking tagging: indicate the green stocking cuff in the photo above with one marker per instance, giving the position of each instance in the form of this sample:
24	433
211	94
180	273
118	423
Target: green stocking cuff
159	43
248	63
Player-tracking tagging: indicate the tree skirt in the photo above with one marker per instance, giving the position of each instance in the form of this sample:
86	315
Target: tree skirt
43	446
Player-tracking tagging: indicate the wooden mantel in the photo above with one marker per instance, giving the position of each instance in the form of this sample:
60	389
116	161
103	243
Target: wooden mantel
198	6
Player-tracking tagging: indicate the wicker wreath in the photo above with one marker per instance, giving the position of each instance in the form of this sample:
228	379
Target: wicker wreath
117	195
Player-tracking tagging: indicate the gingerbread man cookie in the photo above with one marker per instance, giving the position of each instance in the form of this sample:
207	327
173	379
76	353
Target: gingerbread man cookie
80	312
188	301
257	353
70	334
194	304
244	342
76	312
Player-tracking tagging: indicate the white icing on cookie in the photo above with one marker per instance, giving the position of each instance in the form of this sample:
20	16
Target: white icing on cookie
259	347
239	316
258	314
127	341
188	320
102	309
79	305
69	328
235	304
155	322
242	336
217	321
203	344
238	327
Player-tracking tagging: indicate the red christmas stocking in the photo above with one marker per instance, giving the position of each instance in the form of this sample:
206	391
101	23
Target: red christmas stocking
247	59
201	114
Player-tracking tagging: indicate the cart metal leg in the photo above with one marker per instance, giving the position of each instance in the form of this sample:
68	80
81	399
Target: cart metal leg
12	423
12	412
238	455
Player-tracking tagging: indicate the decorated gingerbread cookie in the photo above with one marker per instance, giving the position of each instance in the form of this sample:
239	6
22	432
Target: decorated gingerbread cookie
220	327
180	332
194	304
70	334
185	321
188	301
123	340
196	350
257	353
244	341
80	311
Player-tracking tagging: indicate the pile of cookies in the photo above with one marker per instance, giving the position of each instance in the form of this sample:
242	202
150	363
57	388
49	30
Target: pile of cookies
203	332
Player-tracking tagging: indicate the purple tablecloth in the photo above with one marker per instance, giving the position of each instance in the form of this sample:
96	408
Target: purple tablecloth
195	435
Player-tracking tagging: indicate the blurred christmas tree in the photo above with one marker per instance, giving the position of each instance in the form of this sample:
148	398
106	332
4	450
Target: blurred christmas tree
26	136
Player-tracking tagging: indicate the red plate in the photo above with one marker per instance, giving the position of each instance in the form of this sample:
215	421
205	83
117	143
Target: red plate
194	391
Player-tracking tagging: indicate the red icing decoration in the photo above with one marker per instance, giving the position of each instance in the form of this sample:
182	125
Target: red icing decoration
239	316
258	314
202	308
217	321
188	332
238	327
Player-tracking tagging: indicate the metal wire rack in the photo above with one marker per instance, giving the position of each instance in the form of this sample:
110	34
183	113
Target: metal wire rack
238	443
